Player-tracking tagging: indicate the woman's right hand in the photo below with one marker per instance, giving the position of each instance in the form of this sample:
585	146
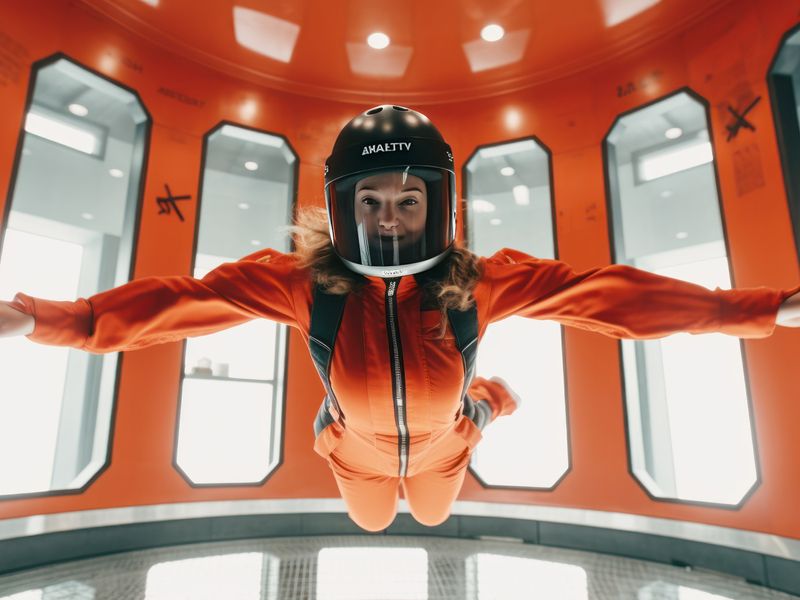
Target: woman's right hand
14	322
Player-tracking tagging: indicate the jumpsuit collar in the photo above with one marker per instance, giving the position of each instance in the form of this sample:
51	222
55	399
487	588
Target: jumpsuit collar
406	284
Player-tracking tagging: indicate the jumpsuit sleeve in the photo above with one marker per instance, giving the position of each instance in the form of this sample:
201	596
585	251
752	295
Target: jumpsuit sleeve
624	302
158	309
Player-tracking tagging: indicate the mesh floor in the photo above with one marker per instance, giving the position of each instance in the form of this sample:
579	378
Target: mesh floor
366	568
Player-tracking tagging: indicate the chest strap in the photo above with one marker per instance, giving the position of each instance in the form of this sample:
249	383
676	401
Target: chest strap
326	317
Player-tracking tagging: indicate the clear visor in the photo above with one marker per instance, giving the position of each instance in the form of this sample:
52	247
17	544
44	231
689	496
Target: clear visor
397	217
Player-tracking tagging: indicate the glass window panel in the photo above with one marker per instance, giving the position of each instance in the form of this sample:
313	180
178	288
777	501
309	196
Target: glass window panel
509	205
686	396
491	576
246	351
69	234
246	203
659	589
66	590
231	425
366	573
784	84
244	576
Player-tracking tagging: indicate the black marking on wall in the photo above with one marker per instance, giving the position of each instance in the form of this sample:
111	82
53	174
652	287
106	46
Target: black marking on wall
181	97
169	202
739	120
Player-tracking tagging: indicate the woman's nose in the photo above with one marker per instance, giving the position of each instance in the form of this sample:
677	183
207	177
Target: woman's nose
388	216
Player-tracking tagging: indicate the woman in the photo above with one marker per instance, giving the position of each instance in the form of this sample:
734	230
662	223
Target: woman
404	305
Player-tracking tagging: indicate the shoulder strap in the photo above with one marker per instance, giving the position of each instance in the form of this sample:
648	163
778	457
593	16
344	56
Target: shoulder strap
465	328
464	325
326	317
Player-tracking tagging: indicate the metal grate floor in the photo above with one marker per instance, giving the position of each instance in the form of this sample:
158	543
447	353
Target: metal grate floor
367	568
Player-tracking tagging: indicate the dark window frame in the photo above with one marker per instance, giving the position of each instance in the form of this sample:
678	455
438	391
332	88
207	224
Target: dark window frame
614	218
465	214
146	133
784	104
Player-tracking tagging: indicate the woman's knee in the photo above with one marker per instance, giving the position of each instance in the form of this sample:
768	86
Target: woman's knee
430	517
372	522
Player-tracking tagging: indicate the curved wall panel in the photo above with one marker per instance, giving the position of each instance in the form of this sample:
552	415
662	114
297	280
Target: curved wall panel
724	59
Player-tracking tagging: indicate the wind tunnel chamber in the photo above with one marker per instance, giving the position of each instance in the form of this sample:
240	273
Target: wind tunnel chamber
147	137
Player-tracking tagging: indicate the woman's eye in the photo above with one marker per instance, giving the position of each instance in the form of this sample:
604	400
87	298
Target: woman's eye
410	201
368	200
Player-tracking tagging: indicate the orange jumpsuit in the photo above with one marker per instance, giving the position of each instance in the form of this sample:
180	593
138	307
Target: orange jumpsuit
362	449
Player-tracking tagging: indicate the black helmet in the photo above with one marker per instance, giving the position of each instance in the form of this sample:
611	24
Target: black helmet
390	193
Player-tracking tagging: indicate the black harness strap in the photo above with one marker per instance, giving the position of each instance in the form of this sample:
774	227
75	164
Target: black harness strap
465	329
326	317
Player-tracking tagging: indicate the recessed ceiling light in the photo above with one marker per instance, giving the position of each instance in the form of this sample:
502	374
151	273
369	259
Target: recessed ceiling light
87	216
262	33
666	193
482	206
115	173
522	195
26	152
251	165
674	159
507	171
492	33
78	109
255	242
243	205
495	221
378	40
673	133
61	132
681	235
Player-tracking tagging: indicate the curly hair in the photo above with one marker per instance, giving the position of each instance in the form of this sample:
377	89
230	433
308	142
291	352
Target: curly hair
449	287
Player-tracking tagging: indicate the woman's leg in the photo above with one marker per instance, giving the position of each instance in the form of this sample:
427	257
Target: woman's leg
431	493
491	398
372	502
371	499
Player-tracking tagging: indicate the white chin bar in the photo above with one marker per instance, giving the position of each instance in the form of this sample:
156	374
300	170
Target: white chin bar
397	270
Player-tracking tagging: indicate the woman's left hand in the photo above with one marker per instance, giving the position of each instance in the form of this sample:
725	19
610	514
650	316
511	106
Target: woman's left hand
789	312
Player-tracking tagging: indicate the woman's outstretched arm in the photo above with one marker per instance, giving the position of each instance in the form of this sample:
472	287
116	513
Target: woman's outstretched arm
625	302
14	322
158	309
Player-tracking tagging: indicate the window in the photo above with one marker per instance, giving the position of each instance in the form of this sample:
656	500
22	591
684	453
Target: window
492	576
231	409
509	204
365	573
68	590
686	398
247	576
69	234
784	84
661	589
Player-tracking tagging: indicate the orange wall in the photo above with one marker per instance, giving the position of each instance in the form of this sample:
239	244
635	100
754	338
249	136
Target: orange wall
723	60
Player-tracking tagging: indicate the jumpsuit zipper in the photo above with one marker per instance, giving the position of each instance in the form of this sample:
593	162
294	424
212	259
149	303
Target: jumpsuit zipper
398	378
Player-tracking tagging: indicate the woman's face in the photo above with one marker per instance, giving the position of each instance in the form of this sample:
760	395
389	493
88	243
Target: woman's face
392	207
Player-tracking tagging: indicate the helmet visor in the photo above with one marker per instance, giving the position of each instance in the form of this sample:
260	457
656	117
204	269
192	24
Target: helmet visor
397	217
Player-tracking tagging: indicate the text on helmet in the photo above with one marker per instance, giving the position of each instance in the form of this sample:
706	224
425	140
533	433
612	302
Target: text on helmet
387	147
